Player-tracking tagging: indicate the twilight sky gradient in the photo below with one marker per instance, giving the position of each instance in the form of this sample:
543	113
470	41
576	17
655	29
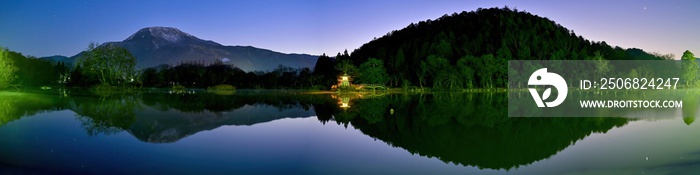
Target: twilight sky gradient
44	28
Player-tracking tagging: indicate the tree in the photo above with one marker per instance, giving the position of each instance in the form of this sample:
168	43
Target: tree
687	55
346	67
111	64
669	56
398	68
504	52
77	78
7	69
488	71
373	72
602	65
305	75
465	71
150	77
443	48
442	73
63	73
324	71
422	73
690	68
633	73
217	74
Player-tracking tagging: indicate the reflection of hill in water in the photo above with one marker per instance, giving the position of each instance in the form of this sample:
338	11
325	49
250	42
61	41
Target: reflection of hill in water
160	117
467	129
156	126
470	129
163	118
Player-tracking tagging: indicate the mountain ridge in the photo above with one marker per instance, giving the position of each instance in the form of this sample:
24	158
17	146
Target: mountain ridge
154	46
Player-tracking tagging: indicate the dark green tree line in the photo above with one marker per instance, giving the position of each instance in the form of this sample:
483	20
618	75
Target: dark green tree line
26	71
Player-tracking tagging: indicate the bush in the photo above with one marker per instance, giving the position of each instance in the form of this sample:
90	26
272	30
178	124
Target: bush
222	87
318	87
179	87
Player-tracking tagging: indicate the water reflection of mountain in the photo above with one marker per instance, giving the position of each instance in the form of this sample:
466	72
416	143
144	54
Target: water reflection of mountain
469	129
162	118
156	126
462	128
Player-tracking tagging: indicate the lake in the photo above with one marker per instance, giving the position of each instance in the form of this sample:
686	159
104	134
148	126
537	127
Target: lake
278	132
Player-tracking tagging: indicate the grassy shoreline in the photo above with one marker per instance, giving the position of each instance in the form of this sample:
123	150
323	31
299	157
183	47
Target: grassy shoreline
116	90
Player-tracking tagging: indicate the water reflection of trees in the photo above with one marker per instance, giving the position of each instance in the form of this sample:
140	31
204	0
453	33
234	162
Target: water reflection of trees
463	128
467	128
690	106
106	115
14	105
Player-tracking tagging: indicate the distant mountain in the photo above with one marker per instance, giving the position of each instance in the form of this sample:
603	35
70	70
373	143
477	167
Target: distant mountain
58	58
154	46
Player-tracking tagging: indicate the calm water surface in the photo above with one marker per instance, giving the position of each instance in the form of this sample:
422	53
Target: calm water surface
295	133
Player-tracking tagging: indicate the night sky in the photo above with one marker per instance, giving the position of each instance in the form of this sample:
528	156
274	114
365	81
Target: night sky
44	28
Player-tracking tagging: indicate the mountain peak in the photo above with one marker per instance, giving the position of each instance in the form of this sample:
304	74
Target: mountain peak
169	34
153	46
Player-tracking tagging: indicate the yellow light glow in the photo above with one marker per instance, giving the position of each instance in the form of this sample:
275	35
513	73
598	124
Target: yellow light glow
345	78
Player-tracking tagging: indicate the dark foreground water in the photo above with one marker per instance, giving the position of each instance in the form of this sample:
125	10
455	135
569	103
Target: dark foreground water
293	133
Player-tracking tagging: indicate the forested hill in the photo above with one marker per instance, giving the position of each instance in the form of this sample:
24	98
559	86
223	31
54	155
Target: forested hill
470	49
